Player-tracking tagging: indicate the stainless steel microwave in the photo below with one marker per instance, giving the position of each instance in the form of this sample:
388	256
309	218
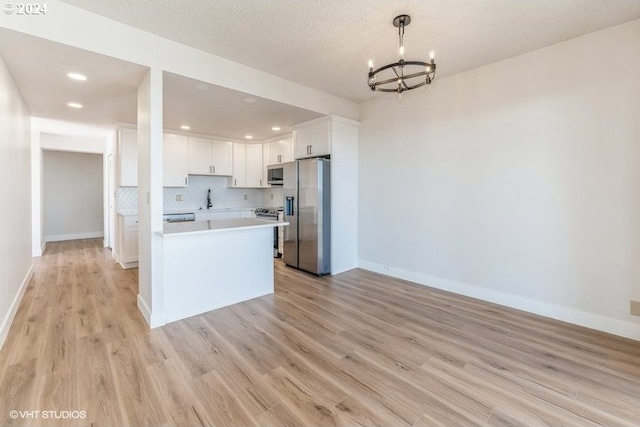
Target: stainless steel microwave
275	174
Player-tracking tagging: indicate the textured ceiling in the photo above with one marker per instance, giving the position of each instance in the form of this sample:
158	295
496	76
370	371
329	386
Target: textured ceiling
325	44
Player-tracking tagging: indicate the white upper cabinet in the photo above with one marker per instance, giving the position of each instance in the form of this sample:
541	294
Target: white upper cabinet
128	157
266	161
176	160
312	141
254	165
281	151
247	166
199	156
222	157
210	157
239	178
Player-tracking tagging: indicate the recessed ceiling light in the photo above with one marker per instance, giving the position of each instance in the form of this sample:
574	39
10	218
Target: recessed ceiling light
185	127
250	100
248	137
275	128
74	104
77	76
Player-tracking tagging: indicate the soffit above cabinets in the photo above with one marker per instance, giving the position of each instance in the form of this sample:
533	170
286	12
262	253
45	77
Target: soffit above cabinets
39	69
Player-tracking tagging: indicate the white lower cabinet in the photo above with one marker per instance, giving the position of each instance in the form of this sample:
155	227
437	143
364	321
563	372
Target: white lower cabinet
128	230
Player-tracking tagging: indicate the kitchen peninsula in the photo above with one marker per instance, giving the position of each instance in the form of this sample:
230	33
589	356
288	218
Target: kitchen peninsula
212	264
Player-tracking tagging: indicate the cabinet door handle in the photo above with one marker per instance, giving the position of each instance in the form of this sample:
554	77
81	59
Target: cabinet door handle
260	183
214	168
311	149
279	158
235	182
186	182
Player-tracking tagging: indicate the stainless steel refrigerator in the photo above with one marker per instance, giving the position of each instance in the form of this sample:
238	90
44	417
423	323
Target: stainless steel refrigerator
307	208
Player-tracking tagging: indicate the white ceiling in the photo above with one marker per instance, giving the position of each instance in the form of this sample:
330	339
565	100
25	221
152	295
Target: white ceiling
39	69
214	110
325	44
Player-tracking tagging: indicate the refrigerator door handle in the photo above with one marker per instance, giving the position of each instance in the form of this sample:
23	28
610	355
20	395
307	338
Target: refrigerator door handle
288	208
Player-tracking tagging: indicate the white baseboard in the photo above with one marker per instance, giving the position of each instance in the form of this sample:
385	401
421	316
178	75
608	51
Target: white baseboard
73	236
566	314
8	319
36	252
153	320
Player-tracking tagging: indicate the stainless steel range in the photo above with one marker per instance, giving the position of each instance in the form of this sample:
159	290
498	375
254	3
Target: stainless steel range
273	214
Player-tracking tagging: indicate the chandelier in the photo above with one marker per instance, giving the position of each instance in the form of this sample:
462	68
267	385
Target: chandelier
402	75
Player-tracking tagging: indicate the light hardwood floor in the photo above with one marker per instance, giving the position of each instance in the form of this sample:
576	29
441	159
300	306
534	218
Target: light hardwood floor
354	349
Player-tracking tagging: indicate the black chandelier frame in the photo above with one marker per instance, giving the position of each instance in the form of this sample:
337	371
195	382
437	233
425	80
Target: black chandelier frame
402	82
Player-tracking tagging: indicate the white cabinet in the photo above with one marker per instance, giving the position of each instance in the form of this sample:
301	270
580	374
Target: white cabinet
222	157
176	160
239	178
210	157
312	141
199	156
128	256
127	157
254	165
281	151
266	161
247	166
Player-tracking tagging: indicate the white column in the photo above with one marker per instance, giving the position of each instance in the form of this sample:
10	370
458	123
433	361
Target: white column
150	264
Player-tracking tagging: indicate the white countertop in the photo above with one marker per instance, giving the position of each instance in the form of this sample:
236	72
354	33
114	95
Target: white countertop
171	211
200	227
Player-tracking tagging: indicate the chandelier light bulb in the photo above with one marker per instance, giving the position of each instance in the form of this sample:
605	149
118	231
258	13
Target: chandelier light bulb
370	65
432	55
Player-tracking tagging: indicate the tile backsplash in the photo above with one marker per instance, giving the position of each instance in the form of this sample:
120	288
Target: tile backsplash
195	195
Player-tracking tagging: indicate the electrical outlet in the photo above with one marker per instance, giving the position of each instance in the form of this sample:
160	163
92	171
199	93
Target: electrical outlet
634	308
245	197
179	198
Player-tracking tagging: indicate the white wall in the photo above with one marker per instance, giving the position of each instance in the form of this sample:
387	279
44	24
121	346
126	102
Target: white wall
150	195
15	185
518	182
64	136
73	195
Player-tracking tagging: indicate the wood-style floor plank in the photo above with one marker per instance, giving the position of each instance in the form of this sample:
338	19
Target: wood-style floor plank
355	349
